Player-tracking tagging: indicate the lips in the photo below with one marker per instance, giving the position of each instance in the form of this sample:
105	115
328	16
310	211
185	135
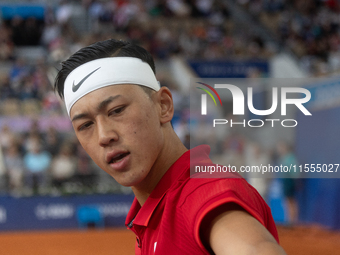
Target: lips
116	157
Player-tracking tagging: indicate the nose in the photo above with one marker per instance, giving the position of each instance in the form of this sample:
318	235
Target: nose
106	133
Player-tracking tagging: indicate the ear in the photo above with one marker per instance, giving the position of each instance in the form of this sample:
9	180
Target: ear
166	105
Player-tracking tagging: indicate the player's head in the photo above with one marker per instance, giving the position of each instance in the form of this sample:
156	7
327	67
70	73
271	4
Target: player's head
122	128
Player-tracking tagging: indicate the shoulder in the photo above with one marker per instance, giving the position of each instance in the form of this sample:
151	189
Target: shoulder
197	192
198	197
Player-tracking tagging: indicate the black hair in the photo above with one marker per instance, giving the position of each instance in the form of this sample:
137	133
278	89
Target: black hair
102	49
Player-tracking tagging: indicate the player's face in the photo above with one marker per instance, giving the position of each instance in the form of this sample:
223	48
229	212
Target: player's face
119	127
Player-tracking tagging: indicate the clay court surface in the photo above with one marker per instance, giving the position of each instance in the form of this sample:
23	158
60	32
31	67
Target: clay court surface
296	241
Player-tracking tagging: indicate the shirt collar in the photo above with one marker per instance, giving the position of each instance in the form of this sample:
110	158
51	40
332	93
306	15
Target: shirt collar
179	170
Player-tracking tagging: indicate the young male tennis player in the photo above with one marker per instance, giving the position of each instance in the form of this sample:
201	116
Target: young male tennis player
121	117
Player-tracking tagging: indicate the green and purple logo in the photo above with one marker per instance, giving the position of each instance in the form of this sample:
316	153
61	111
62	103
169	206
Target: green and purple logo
204	97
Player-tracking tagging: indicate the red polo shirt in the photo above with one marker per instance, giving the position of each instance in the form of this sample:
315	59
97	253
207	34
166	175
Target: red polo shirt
169	220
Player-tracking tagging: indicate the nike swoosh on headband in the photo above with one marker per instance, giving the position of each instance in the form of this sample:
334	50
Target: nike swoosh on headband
76	87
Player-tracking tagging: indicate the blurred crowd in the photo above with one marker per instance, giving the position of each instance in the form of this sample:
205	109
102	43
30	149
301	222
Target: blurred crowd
48	162
311	29
193	29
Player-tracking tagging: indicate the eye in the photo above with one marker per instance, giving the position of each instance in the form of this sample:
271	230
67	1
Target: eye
85	126
117	110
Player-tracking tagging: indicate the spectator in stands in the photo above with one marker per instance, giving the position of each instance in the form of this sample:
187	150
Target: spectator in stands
19	70
287	158
52	141
32	135
37	163
6	90
7	137
28	89
15	168
64	12
64	166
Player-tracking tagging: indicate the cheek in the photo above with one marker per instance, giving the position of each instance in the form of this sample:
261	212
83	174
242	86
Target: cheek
143	135
142	129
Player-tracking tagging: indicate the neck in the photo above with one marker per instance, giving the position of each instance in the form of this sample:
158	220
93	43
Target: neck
172	150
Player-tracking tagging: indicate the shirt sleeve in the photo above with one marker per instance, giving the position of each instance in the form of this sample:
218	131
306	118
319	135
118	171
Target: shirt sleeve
211	194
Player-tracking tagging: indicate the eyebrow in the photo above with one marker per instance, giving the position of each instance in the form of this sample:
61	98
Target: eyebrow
104	103
79	116
100	107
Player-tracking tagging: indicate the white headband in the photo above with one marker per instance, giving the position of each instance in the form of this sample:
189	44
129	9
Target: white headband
104	72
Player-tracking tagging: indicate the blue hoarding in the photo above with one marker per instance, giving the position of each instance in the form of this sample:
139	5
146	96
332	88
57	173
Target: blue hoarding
8	11
60	212
318	142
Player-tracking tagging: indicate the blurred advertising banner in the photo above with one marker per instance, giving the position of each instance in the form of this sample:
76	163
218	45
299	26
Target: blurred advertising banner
230	69
45	212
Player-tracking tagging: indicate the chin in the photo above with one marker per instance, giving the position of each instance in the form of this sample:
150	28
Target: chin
128	182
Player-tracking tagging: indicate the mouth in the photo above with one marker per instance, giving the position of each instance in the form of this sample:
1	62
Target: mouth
118	157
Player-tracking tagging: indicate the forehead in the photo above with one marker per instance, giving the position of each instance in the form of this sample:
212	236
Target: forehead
93	99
